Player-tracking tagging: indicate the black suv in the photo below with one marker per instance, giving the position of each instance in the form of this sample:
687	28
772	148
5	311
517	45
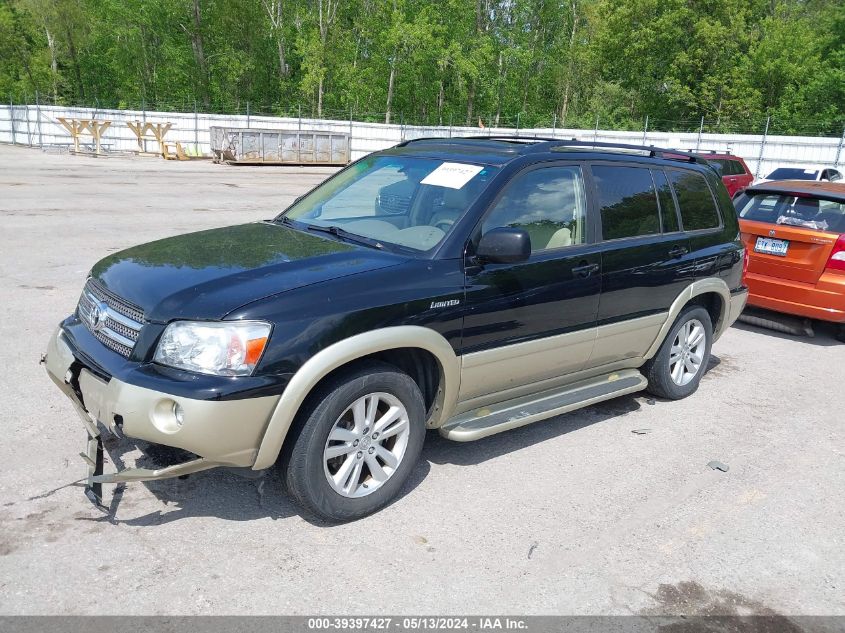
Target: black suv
469	285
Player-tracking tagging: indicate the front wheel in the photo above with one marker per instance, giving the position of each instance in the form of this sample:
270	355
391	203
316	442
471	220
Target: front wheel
361	435
677	368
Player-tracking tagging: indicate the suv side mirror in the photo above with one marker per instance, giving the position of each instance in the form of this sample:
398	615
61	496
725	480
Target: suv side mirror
504	245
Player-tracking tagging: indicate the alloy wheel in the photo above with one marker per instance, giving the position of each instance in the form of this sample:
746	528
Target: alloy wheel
366	444
687	353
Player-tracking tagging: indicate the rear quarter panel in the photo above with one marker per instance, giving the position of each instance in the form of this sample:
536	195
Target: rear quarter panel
719	252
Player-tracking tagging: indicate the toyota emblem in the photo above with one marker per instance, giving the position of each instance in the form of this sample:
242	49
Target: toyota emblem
97	316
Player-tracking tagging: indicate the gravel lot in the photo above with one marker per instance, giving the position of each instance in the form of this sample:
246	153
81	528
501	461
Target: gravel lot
577	515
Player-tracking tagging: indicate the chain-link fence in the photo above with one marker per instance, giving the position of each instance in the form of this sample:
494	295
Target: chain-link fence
760	142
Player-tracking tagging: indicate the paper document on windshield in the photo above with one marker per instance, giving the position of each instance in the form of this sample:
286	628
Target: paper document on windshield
452	175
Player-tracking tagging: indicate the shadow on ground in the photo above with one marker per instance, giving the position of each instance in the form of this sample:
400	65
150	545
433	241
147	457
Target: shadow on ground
439	450
824	332
233	494
240	494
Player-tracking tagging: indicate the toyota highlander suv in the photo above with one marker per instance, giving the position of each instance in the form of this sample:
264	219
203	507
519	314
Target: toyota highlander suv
466	285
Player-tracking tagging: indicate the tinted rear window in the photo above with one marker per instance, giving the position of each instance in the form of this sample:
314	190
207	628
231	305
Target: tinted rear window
627	201
698	208
793	173
808	213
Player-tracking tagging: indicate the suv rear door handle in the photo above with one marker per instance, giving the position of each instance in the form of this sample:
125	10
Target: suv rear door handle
585	270
678	251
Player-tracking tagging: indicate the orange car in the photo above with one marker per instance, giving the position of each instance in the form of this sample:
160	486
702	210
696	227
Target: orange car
794	235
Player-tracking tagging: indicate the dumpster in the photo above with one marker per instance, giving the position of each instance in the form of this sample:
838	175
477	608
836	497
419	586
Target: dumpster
250	146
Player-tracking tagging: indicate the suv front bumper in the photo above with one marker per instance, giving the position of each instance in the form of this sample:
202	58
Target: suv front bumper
219	432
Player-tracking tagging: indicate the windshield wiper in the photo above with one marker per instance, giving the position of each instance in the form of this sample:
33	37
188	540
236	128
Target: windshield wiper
343	234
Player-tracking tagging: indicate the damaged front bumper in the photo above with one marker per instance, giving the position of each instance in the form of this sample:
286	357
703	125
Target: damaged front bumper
220	433
95	477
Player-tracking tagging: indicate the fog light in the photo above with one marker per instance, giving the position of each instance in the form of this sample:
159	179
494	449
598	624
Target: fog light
167	416
178	413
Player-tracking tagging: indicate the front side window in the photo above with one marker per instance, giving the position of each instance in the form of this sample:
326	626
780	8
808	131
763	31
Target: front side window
718	165
627	201
739	168
698	209
548	203
726	167
408	202
733	168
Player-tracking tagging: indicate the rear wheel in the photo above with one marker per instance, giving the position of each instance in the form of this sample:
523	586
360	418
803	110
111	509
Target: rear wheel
677	368
361	435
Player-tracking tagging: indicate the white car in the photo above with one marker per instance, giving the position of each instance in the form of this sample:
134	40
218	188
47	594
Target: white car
818	174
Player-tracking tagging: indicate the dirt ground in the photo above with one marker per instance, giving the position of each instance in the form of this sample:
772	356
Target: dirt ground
576	515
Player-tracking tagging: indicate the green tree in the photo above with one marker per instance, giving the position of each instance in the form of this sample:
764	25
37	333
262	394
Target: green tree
733	62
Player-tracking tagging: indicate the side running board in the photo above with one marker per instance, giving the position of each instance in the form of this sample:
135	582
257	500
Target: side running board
503	416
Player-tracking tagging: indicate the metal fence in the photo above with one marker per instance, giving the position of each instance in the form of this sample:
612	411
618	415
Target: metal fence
38	126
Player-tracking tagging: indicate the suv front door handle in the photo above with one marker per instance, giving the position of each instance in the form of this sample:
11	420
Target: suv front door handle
585	270
678	251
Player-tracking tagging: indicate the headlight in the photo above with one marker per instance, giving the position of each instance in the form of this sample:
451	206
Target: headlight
221	349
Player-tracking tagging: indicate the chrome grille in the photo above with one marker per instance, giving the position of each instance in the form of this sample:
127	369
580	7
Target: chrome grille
113	321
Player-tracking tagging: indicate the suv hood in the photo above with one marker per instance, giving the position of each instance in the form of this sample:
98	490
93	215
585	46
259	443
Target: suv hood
207	274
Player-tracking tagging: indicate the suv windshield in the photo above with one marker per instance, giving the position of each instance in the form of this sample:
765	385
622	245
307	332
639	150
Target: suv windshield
809	213
793	173
394	200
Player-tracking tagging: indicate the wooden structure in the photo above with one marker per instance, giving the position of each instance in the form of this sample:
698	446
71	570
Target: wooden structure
173	151
78	127
157	130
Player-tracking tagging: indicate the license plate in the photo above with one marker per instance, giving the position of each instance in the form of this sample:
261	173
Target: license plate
771	247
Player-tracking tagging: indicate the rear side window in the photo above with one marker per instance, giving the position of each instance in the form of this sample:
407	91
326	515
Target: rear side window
668	211
727	166
627	201
698	208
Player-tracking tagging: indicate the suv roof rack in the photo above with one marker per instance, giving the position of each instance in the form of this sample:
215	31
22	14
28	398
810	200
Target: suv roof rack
545	144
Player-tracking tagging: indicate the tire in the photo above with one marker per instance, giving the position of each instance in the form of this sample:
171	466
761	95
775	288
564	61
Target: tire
659	369
379	466
840	335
